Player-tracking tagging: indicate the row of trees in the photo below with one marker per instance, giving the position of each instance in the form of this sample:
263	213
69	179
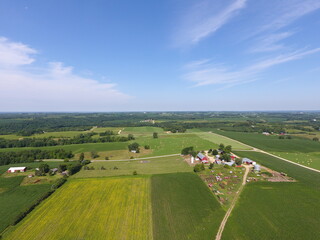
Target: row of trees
80	139
32	155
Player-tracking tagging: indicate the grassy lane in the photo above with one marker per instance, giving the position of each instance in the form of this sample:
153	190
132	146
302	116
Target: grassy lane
183	208
106	208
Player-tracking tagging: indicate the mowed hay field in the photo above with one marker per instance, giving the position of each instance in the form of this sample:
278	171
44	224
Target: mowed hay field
217	139
106	208
147	166
277	210
183	208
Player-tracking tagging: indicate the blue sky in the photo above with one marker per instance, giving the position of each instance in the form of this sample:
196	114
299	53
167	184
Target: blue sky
164	55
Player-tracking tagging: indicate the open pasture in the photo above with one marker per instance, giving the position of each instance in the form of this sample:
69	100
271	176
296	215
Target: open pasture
174	143
106	208
148	166
217	139
273	143
311	159
183	208
142	130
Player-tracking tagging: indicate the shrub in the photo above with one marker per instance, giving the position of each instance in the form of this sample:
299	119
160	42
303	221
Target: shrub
135	173
315	139
146	147
58	183
106	158
199	167
211	165
227	166
187	151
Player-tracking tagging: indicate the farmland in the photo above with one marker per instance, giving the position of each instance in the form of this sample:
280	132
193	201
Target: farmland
300	150
217	139
14	198
147	166
106	208
286	210
183	208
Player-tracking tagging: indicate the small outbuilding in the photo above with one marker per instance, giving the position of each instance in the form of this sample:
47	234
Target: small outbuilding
257	168
229	163
17	169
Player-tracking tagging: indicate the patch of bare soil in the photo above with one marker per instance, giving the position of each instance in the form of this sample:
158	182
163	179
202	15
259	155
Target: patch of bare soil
274	176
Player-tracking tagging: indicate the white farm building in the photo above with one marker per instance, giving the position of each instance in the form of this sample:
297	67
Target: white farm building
16	169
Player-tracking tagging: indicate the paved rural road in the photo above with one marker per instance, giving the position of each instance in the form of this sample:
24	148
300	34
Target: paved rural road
259	150
225	219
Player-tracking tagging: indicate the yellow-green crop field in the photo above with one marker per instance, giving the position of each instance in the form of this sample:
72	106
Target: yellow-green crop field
106	208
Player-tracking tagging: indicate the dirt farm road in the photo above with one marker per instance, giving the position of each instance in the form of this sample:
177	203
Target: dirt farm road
225	219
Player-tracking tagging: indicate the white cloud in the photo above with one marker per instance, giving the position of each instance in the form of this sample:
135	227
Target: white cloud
206	73
15	54
54	88
204	19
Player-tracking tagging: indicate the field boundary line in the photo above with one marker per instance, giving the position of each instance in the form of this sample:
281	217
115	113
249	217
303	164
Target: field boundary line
137	159
228	213
270	154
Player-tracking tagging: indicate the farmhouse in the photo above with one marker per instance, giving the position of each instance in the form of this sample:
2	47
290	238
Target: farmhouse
202	158
16	169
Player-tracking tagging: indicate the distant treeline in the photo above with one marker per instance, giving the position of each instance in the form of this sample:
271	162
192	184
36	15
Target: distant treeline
80	139
32	155
27	124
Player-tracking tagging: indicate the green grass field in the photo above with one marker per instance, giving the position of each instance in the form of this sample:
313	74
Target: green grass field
273	143
277	210
311	159
106	208
147	166
183	208
174	143
217	139
142	130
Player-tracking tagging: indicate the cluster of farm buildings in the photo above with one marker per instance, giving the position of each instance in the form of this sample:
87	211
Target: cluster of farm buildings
217	160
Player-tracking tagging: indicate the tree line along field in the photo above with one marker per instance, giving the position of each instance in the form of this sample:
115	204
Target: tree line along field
15	198
163	145
277	210
165	206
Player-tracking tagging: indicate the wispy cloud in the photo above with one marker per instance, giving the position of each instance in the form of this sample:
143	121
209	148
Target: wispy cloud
208	73
204	19
270	42
290	11
53	88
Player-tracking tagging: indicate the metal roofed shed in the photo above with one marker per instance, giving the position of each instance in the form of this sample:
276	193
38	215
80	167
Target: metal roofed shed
16	169
257	168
